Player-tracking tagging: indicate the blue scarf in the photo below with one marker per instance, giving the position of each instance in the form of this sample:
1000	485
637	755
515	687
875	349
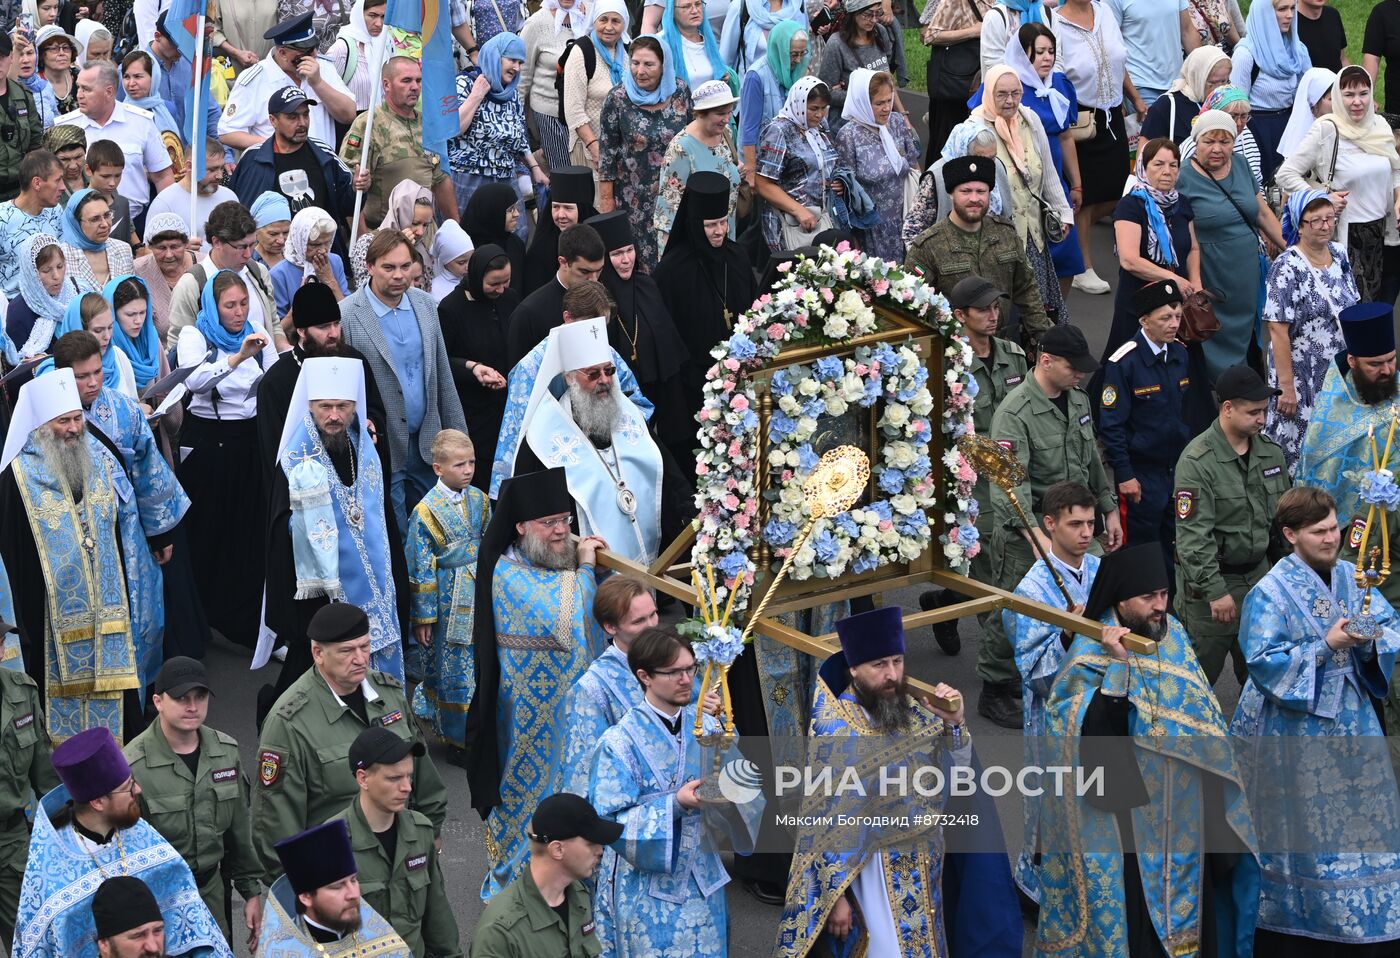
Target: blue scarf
503	46
73	323
1277	55
144	350
73	233
164	119
1031	11
671	36
615	64
665	88
1292	217
1159	236
207	322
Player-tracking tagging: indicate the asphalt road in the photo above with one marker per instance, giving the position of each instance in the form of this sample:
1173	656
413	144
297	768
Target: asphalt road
752	925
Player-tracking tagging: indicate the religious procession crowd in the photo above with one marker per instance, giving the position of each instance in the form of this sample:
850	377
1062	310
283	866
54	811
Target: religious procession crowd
278	364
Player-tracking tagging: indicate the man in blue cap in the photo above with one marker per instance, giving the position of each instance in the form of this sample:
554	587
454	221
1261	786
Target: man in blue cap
293	62
1357	401
315	908
865	885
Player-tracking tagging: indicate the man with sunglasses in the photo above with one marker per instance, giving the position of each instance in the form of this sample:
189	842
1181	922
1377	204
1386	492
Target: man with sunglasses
293	62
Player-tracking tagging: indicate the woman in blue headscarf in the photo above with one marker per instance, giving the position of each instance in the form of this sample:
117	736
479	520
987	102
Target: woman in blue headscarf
1309	284
695	54
93	255
222	470
140	86
640	119
767	83
92	313
273	216
134	330
1269	63
45	290
493	139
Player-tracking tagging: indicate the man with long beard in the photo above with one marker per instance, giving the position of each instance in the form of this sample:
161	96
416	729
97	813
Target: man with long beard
533	637
858	878
613	466
332	525
60	523
315	332
90	828
315	909
1158	745
1314	764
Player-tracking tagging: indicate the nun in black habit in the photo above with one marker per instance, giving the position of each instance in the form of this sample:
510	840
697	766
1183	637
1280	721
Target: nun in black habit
705	283
485	220
475	317
571	197
645	336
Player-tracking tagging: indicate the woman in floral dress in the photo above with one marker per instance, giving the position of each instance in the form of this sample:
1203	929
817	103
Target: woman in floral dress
704	146
1309	284
640	118
881	147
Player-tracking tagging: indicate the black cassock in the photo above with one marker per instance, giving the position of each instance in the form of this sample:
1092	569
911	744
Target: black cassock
532	320
288	616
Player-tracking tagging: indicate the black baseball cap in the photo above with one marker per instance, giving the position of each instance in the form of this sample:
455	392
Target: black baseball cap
1069	344
287	99
1241	382
377	745
566	815
973	292
179	675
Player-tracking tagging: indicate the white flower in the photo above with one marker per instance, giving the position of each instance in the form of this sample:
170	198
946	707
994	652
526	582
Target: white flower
836	406
789	405
900	454
896	414
790	494
836	327
922	403
809	387
852	388
904	505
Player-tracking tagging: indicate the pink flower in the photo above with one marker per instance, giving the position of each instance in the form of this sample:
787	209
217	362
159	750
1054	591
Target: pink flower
728	385
741	521
775	331
973	550
800	291
751	507
886	525
739	403
801	320
787	475
953	534
862	369
966	473
956	389
735	450
731	364
881	286
731	502
784	266
828	296
767	298
844	246
701	469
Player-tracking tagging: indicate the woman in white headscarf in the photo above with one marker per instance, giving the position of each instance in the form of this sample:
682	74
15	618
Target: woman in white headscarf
353	49
545	35
1204	69
94	42
798	163
1314	101
584	93
451	255
307	258
1350	154
881	147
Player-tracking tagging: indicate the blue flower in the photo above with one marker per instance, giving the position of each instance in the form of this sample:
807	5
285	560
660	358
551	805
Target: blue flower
921	467
905	395
829	367
865	562
872	392
973	510
749	422
911	525
806	457
781	426
1379	489
825	546
781	384
885	355
742	348
891	480
815	407
846	525
970	387
778	532
968	534
882	509
733	564
723	649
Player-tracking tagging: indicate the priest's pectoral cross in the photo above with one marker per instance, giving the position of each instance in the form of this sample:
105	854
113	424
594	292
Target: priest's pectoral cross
728	319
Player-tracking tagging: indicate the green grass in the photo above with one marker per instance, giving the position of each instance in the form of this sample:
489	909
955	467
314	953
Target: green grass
1354	13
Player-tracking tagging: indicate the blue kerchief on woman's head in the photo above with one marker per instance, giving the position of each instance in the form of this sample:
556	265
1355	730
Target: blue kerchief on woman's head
73	233
207	321
144	350
503	46
665	87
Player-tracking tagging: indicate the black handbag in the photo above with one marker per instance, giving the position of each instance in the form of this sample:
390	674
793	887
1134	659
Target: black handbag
953	68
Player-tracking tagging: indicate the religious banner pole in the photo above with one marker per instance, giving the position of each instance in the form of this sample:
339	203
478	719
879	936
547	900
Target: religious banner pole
380	43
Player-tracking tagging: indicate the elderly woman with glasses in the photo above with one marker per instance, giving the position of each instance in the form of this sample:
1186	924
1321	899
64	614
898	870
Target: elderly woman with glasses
1309	285
93	255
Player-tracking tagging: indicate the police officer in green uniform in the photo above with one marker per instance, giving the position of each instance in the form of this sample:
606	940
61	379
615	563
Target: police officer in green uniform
1048	425
1228	481
547	912
24	767
998	366
21	129
194	792
970	242
303	770
394	846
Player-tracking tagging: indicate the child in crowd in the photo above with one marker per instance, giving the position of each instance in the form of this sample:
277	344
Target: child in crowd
105	164
444	533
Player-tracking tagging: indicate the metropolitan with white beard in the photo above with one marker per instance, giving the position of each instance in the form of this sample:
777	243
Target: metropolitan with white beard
599	437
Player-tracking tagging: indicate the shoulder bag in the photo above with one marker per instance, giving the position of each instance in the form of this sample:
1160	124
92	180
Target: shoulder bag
1050	222
953	69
